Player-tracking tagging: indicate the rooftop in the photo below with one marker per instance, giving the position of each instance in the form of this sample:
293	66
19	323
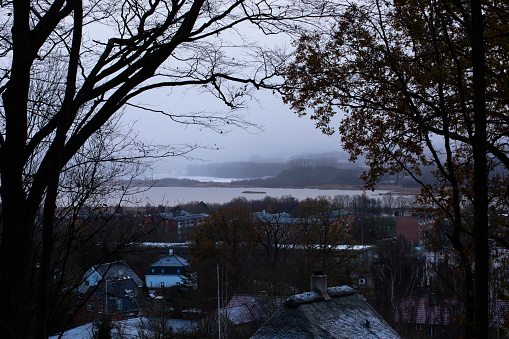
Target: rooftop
117	269
182	216
171	260
309	315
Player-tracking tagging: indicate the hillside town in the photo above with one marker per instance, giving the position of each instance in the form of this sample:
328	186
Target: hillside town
228	270
359	150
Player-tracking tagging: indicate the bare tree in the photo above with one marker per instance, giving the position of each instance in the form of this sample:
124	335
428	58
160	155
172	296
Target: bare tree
69	66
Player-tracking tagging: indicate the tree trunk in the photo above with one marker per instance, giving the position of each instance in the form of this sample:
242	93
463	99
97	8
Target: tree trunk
482	262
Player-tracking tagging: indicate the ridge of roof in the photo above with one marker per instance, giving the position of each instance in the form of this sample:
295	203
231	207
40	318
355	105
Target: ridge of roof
315	295
170	260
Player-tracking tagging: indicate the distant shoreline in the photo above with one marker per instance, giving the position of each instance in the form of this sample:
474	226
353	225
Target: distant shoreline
195	183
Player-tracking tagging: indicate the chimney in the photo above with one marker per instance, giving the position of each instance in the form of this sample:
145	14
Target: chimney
319	284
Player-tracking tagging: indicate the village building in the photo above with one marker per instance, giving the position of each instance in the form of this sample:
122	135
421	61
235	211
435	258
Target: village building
108	271
176	225
408	228
113	289
335	312
166	272
244	314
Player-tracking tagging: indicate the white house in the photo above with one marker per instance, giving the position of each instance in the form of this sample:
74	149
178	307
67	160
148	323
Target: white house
165	272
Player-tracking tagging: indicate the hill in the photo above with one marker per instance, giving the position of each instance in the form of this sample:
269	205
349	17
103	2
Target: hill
307	176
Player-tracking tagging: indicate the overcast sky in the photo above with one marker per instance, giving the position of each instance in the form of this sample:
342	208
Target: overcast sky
284	134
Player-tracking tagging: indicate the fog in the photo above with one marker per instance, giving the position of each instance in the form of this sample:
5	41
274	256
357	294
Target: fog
279	133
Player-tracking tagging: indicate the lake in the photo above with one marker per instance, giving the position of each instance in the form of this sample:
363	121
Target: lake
172	196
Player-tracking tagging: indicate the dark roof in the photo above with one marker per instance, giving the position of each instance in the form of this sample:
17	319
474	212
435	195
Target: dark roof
118	269
309	315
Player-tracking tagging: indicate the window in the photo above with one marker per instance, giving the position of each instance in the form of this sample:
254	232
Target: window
119	303
178	270
162	284
153	270
418	327
362	281
162	270
432	331
90	307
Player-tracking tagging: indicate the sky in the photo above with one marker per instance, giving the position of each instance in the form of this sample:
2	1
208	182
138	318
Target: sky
282	135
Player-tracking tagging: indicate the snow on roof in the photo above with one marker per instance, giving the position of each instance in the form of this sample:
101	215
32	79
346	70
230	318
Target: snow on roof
183	216
171	260
117	269
309	297
130	328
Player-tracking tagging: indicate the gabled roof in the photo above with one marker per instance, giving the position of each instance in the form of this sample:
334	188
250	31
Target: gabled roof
118	269
171	260
309	315
243	309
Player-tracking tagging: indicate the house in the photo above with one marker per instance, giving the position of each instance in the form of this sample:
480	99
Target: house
166	272
245	313
423	317
336	312
111	288
108	271
176	225
281	227
408	228
120	298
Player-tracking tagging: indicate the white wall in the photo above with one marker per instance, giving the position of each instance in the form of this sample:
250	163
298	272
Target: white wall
154	281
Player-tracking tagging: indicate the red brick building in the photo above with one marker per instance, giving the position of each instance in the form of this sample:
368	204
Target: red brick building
408	228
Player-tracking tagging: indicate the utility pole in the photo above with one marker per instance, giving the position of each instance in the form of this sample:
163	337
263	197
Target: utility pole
218	304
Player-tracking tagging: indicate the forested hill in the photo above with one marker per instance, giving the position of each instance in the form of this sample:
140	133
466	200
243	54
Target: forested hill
296	176
307	176
237	169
